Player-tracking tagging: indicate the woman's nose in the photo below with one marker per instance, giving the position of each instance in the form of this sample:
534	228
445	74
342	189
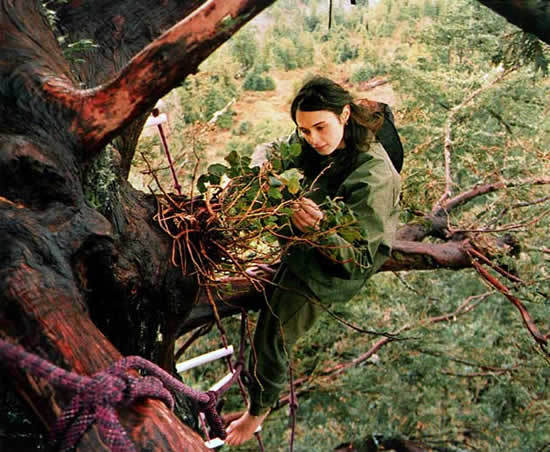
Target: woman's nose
314	139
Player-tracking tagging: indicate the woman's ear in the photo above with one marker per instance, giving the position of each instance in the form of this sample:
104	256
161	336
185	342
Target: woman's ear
346	111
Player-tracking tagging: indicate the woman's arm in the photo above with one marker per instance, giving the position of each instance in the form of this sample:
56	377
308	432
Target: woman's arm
372	193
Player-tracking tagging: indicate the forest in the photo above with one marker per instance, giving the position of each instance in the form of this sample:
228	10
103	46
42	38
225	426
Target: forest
445	349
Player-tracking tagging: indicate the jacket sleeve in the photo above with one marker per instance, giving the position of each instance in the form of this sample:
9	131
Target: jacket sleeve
372	193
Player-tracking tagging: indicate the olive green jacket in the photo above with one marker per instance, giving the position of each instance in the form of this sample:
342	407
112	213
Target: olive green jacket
369	185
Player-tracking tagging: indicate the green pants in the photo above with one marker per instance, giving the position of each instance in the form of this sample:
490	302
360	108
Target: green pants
291	310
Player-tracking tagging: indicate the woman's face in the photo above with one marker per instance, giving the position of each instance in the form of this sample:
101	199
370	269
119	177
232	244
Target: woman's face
323	129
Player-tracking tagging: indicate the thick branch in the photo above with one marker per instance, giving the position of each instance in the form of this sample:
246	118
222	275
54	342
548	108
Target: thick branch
406	256
532	16
409	255
103	112
120	29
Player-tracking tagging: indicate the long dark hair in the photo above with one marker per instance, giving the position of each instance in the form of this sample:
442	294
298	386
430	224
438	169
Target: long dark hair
321	93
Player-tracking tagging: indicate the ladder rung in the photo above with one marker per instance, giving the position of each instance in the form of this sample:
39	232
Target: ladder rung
203	359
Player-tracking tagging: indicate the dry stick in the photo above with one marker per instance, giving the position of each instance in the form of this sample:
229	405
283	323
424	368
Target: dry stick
245	215
447	146
239	194
529	323
153	173
333	372
518	205
237	264
201	331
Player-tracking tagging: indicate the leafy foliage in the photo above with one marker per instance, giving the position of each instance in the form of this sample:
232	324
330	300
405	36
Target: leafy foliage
259	200
256	82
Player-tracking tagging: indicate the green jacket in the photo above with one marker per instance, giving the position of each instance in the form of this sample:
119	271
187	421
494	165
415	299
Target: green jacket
369	185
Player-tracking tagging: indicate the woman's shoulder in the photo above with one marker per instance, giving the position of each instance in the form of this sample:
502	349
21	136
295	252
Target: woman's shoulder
373	152
373	163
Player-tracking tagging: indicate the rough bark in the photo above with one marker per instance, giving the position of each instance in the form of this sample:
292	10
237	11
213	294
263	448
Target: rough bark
69	275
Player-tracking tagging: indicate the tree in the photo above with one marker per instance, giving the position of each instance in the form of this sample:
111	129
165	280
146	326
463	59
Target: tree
63	263
82	287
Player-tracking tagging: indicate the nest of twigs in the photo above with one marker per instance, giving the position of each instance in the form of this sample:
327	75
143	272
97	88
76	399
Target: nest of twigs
243	218
215	236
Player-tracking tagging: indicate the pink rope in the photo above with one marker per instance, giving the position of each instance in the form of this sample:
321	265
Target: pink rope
97	397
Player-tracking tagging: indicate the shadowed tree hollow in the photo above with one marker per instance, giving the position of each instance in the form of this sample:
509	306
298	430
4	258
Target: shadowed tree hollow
82	288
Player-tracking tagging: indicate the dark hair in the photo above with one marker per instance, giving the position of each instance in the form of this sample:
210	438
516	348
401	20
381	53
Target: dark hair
321	93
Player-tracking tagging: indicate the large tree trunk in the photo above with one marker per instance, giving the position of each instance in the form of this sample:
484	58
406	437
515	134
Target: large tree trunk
70	276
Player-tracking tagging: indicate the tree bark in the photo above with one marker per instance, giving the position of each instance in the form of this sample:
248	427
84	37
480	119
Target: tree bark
65	269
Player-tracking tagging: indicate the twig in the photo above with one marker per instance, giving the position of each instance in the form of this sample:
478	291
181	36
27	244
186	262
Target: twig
469	304
529	323
495	267
447	141
509	227
201	331
484	189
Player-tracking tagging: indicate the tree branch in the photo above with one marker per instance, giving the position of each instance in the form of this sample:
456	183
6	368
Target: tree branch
479	190
532	16
447	141
541	339
103	112
408	255
120	29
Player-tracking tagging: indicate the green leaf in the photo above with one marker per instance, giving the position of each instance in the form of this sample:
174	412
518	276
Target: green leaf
233	158
201	183
289	152
217	169
274	193
291	178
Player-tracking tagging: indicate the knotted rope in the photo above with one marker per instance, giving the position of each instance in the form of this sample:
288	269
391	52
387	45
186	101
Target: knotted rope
97	396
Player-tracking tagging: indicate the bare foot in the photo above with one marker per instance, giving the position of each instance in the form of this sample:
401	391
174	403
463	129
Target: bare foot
243	428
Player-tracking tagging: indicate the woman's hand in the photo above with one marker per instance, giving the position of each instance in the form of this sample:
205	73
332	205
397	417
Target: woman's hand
307	215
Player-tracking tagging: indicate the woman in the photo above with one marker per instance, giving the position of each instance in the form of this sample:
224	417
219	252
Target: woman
340	154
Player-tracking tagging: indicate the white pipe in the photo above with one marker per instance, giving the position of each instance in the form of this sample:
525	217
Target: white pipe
223	381
217	442
156	120
213	443
203	359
